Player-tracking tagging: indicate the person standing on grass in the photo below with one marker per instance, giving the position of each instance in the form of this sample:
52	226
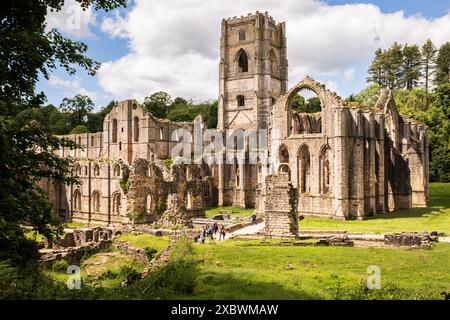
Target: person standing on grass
216	227
222	233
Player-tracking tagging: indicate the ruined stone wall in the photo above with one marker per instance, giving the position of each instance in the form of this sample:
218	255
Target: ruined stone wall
280	209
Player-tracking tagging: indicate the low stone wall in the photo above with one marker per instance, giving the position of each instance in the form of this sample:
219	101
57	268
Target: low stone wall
409	239
73	255
80	237
137	253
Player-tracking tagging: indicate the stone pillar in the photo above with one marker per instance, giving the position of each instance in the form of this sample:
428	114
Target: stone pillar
220	187
341	174
281	207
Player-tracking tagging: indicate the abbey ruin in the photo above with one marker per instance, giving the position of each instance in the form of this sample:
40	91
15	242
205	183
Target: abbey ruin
343	162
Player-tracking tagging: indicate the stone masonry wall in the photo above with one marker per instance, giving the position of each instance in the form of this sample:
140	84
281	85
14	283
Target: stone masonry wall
280	211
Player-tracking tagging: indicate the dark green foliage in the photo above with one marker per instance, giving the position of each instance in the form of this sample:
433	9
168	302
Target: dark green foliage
300	105
60	265
428	52
79	129
183	110
150	253
27	146
158	104
95	119
404	67
443	64
79	107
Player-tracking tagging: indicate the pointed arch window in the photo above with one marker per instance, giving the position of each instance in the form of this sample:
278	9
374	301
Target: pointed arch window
304	170
136	129
114	131
77	200
116	203
96	201
242	61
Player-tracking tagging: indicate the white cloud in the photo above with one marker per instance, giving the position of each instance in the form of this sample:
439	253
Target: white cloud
72	19
70	87
174	46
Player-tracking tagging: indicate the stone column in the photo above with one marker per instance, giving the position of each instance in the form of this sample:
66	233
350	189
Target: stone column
281	207
341	174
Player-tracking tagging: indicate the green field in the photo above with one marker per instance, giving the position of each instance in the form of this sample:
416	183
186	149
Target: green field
434	218
247	270
237	212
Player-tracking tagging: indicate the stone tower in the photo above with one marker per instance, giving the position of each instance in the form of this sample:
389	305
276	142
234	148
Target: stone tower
252	72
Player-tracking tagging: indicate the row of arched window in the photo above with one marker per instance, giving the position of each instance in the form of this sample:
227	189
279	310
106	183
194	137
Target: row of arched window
304	168
135	130
242	61
96	170
96	201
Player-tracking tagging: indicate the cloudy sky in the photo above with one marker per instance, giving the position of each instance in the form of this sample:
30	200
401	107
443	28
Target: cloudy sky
173	45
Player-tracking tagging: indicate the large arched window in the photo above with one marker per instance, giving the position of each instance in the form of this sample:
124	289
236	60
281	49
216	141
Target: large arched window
77	200
306	117
96	201
242	61
114	131
304	170
116	203
136	129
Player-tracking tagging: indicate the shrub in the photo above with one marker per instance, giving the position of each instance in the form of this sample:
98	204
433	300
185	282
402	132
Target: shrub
150	253
60	265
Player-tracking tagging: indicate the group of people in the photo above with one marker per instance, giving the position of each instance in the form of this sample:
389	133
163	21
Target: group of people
210	230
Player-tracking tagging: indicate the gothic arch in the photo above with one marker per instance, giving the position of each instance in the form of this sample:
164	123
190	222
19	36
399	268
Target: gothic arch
96	170
96	201
241	61
283	154
76	198
149	204
136	129
325	170
116	203
116	170
273	60
304	169
114	131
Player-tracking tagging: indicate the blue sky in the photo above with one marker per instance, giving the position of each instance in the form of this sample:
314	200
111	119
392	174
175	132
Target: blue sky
155	45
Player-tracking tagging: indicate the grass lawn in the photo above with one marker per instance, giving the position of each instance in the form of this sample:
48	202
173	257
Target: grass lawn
145	240
247	270
434	218
211	212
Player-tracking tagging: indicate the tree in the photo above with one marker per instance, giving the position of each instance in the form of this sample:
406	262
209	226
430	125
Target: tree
79	129
377	69
411	65
158	104
443	64
183	110
95	119
368	96
428	53
27	147
80	106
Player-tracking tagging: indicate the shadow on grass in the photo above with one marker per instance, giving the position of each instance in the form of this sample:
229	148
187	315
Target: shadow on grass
415	213
218	286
